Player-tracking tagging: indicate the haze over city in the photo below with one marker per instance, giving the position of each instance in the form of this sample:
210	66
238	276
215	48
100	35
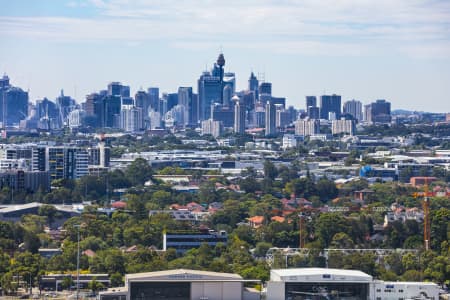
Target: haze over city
366	50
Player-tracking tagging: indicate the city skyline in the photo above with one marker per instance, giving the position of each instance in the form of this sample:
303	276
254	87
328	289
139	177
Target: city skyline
360	50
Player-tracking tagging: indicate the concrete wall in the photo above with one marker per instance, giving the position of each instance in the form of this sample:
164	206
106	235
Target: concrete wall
217	290
275	290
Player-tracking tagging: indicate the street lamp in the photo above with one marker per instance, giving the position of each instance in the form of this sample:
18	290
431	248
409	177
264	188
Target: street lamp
78	259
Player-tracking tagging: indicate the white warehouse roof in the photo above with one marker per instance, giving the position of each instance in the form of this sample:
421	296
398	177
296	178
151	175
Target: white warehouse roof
318	275
183	275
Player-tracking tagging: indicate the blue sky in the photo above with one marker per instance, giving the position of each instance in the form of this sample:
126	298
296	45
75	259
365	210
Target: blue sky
398	50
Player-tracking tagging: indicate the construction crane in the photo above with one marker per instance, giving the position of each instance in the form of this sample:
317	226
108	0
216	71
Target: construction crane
426	214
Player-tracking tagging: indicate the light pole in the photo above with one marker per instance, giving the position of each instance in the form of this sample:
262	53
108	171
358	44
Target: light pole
78	259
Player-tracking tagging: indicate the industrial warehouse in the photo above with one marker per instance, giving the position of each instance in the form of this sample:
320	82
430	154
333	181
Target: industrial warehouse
321	283
284	284
183	284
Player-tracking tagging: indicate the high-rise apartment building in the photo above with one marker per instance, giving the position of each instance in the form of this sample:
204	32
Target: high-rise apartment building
214	128
131	119
270	119
282	117
99	156
307	127
343	127
330	104
354	108
239	115
66	162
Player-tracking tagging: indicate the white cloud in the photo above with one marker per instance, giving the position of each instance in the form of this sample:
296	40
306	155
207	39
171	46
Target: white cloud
342	27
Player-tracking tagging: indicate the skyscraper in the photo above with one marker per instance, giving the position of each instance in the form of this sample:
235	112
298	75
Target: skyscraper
47	114
13	103
270	119
253	85
186	99
65	105
354	108
378	112
172	100
209	92
282	117
265	88
142	100
311	101
211	87
111	111
239	115
153	94
330	104
117	89
91	100
312	110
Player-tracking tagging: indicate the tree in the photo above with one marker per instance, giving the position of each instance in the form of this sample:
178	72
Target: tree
261	249
326	189
328	225
342	240
48	211
116	279
303	187
438	269
95	285
440	227
137	205
270	171
162	198
249	184
67	282
139	171
31	242
207	192
9	285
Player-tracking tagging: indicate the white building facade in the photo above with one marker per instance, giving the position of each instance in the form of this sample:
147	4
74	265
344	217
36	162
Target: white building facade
307	127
